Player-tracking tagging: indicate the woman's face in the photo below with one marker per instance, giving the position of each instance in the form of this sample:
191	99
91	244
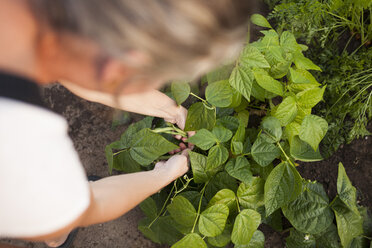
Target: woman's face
83	63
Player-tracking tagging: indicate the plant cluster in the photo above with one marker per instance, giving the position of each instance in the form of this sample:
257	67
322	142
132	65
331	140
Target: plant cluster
340	34
243	176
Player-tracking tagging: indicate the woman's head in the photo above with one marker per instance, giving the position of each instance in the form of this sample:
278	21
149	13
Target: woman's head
149	41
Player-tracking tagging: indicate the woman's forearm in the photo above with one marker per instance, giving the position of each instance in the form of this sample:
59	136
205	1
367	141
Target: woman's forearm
114	196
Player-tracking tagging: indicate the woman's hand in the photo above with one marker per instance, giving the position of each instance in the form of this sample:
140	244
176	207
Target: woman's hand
175	167
179	117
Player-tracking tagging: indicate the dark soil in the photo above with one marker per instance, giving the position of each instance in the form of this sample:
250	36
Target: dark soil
90	130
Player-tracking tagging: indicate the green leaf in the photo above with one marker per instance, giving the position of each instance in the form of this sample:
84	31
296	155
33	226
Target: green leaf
219	74
134	128
165	229
203	139
212	220
241	79
291	130
222	180
240	169
191	240
230	122
246	223
199	116
146	146
148	232
263	152
180	91
299	76
226	197
304	63
283	185
329	238
297	239
237	147
310	212
268	83
272	126
310	97
252	57
301	114
257	241
259	20
202	173
271	38
109	157
217	156
349	223
239	136
148	206
124	162
302	151
182	211
219	93
223	239
251	195
194	198
286	111
288	42
345	189
313	130
274	220
222	134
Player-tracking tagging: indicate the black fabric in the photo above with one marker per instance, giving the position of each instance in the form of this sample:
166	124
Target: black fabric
21	89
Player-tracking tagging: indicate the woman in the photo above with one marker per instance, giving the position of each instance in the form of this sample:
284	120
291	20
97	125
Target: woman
116	52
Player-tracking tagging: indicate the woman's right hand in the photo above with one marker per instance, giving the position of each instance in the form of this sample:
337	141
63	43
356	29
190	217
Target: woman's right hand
174	167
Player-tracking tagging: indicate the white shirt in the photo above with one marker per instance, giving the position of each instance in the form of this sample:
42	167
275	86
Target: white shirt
43	186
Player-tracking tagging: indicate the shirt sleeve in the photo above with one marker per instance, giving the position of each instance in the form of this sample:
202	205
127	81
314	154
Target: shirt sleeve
43	186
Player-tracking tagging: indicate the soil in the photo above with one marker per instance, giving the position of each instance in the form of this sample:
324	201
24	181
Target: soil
90	128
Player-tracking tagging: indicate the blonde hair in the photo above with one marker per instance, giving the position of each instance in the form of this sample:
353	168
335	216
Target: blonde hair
182	38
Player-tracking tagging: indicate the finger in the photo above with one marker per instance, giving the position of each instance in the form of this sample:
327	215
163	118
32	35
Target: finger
178	137
182	146
191	133
191	146
177	150
159	164
171	152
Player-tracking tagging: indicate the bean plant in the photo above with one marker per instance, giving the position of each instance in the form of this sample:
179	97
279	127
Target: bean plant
242	176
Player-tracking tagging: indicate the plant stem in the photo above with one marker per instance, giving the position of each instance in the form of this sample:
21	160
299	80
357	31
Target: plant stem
237	203
285	154
200	201
162	209
201	99
116	153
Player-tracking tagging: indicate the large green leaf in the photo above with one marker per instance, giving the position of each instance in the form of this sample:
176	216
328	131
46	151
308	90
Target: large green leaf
219	93
241	79
127	136
217	156
283	185
202	173
349	223
222	180
292	130
146	146
288	42
299	76
313	129
310	212
226	197
263	152
191	240
345	189
230	122
182	211
148	206
180	91
251	195
271	126
304	63
302	151
298	239
124	162
199	116
286	111
268	83
223	239
164	228
221	73
222	134
203	139
212	220
310	97
257	241
329	238
252	57
194	198
148	232
240	169
259	20
246	223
